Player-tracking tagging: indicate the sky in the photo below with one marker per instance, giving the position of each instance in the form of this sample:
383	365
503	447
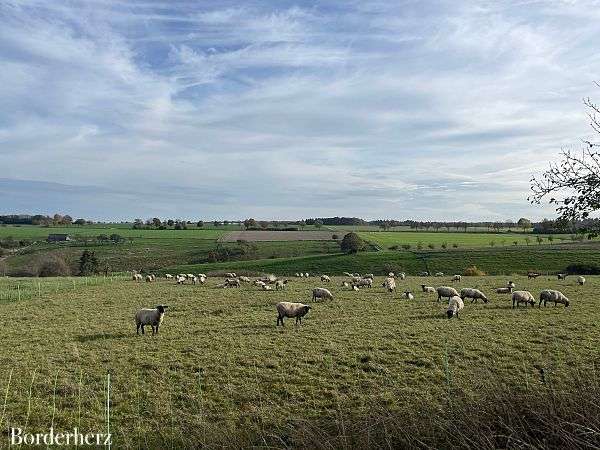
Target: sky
426	110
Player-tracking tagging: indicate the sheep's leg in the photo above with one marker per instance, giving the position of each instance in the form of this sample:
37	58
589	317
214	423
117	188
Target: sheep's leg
143	329
137	329
157	329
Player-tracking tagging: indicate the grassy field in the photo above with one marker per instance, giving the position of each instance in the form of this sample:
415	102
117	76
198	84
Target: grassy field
366	369
386	239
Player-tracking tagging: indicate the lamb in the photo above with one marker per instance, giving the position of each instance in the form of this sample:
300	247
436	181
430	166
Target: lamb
446	292
301	275
402	275
280	284
168	276
581	281
454	306
189	276
202	279
321	293
408	295
531	275
428	289
473	294
511	284
137	277
306	275
288	309
550	295
522	297
232	282
439	274
506	290
325	278
364	282
202	275
260	283
423	274
195	280
391	275
297	275
355	287
244	279
561	276
180	279
390	284
149	278
456	278
266	287
148	316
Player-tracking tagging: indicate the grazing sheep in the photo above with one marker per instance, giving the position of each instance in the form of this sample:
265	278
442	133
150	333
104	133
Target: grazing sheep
168	276
522	297
266	287
511	284
280	284
180	279
390	284
189	276
456	278
439	274
202	275
152	317
230	275
446	292
321	293
202	280
561	276
259	283
581	281
364	282
506	290
232	282
149	279
325	278
195	280
244	279
473	294
306	275
297	275
455	304
550	295
531	275
301	275
402	275
408	295
137	277
369	275
287	309
423	274
391	275
428	289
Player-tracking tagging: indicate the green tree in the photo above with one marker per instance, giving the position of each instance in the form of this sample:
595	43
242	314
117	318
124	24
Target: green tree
88	263
524	223
249	223
200	224
318	223
352	243
539	239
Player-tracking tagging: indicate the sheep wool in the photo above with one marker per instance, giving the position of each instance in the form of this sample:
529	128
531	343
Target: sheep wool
446	292
522	297
473	294
550	295
322	293
454	306
148	316
288	309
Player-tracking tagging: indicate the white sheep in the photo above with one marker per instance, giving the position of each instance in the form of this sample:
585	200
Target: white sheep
473	294
364	282
428	289
202	279
288	309
152	317
561	276
297	275
402	275
202	275
446	292
301	275
581	281
439	274
456	278
260	283
168	276
355	288
550	295
306	275
511	284
195	280
423	274
390	284
244	279
280	284
345	284
180	279
391	275
408	295
455	304
522	297
322	293
149	279
232	282
504	290
369	275
137	277
189	276
325	278
266	287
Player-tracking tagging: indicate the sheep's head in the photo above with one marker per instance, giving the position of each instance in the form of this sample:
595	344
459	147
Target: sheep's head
485	300
161	308
307	308
566	302
449	313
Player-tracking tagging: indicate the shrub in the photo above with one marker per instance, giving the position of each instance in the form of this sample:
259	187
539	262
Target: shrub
431	246
455	245
406	246
51	266
352	243
473	271
583	269
88	263
444	245
335	237
393	247
420	245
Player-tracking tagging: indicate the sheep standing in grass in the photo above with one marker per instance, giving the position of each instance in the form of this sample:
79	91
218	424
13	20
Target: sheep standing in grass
325	278
306	275
152	317
391	275
322	293
428	289
522	297
581	281
390	284
168	276
230	275
232	282
266	287
511	284
455	304
423	274
280	284
446	292
439	274
244	279
137	277
408	295
550	295
149	279
364	282
473	294
260	283
402	275
180	279
456	278
288	309
531	275
355	288
561	276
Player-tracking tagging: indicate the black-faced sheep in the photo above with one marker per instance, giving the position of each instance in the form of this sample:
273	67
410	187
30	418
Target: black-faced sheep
581	281
473	294
428	289
152	317
550	295
446	292
456	278
287	309
390	284
408	295
325	278
280	284
522	297
321	293
455	304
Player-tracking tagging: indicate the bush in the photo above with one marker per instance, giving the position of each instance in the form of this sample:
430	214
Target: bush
406	246
455	245
582	269
88	263
352	243
473	271
335	237
393	247
51	266
431	246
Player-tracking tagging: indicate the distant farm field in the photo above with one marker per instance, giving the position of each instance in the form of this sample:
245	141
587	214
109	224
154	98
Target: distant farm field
257	236
386	239
220	373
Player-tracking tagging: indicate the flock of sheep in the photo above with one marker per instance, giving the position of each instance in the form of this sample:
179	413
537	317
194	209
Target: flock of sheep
154	316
